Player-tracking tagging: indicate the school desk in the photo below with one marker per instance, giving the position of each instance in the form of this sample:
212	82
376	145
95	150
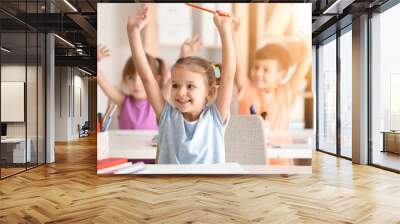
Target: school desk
137	146
289	155
221	169
132	144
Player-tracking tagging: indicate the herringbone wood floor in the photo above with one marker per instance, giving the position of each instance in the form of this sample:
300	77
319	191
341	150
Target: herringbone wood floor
69	191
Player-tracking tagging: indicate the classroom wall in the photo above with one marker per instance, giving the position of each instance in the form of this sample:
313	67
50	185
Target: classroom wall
71	102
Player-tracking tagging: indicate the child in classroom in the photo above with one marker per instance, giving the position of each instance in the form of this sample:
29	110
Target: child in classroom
266	88
191	126
135	109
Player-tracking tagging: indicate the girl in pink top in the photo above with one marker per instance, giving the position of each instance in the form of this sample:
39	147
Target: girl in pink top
135	110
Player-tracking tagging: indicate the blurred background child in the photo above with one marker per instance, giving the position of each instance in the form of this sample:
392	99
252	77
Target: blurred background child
135	110
276	77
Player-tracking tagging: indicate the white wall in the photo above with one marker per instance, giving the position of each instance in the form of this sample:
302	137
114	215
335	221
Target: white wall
14	73
34	124
61	103
68	82
80	83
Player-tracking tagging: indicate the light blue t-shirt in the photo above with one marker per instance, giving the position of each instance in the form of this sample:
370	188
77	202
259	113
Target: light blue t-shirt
198	142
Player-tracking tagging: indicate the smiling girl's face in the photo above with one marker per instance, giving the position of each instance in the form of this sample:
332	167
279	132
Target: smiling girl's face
190	92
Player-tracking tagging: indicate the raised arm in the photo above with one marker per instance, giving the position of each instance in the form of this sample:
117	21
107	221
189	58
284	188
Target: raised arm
224	96
302	66
241	78
191	46
165	80
111	92
135	25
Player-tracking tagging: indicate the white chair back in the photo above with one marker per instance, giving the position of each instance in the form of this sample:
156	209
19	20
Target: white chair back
244	140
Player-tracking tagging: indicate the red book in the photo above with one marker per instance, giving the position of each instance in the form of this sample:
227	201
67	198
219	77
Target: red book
105	163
